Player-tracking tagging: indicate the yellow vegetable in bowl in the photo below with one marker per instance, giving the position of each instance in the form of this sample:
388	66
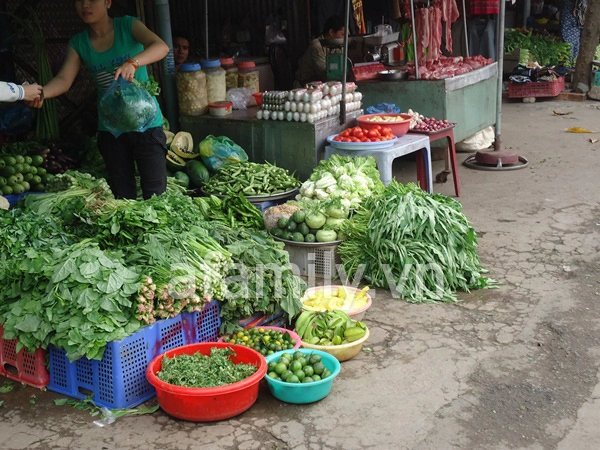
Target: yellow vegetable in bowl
339	298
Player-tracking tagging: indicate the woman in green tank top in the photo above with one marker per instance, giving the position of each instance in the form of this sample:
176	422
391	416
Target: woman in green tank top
113	47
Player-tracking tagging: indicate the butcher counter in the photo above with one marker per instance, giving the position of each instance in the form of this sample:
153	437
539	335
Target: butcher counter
295	146
469	100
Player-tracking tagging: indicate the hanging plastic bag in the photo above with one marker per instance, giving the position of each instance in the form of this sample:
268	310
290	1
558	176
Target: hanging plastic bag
383	108
127	107
217	152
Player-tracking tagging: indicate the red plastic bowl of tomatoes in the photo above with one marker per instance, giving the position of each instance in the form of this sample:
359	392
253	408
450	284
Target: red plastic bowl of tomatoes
399	123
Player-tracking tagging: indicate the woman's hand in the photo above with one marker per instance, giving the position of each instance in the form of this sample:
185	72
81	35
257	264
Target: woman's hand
126	70
32	92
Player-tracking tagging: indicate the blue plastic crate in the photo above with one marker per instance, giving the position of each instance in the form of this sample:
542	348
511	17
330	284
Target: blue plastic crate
13	199
118	380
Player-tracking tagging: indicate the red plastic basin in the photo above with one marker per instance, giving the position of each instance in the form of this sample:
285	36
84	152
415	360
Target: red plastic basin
208	404
399	124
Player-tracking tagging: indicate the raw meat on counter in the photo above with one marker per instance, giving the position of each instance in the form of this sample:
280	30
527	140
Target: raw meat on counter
446	67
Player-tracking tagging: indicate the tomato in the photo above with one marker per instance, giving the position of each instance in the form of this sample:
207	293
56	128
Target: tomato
386	131
357	133
337	138
345	133
372	134
356	130
354	139
365	139
377	127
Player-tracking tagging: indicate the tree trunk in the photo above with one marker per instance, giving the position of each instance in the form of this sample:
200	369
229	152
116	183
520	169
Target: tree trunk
590	37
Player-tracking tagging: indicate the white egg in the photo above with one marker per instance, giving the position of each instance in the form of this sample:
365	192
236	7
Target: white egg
303	117
300	107
287	105
296	116
280	115
289	116
259	114
306	97
310	118
293	106
266	115
313	108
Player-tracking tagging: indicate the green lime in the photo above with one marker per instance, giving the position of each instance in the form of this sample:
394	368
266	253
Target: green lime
308	371
273	375
326	373
308	380
314	358
300	374
316	377
302	360
292	379
285	375
295	365
319	368
298	354
20	159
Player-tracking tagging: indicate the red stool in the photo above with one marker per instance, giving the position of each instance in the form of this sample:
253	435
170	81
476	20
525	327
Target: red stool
450	158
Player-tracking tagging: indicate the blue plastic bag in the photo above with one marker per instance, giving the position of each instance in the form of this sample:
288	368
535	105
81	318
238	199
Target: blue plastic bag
383	108
15	119
217	152
127	107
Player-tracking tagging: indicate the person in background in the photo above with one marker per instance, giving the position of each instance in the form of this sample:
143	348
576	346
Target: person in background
113	48
572	17
12	92
312	64
181	48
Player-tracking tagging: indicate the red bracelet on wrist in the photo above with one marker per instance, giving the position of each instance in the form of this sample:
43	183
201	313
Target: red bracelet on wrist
134	62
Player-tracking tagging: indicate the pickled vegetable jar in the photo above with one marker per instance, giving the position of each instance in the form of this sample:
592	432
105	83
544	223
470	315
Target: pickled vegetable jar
231	73
215	80
191	90
248	76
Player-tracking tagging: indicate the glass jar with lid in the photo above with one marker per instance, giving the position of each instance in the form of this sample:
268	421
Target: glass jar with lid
248	76
215	80
191	90
231	73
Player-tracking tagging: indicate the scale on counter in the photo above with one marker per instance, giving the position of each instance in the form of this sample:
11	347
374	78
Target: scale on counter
334	58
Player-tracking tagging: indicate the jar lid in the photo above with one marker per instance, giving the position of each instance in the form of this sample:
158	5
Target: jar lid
227	61
246	64
189	67
220	104
207	63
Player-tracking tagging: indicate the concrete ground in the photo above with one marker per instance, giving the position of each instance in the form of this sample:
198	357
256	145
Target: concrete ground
511	368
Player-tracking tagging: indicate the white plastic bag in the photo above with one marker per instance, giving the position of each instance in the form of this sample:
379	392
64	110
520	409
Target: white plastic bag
241	98
478	141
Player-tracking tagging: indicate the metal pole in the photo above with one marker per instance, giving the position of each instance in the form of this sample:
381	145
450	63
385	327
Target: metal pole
345	66
167	64
500	61
465	24
206	29
414	33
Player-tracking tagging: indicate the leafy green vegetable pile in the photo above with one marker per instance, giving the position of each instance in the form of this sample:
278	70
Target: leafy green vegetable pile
419	245
344	177
79	268
201	371
546	50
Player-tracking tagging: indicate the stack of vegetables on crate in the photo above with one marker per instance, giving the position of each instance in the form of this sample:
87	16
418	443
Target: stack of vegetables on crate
80	268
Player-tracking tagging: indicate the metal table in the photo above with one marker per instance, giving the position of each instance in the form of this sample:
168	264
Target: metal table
468	100
384	157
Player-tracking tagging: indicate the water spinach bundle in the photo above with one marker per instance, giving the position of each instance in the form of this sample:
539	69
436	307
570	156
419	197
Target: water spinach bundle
419	245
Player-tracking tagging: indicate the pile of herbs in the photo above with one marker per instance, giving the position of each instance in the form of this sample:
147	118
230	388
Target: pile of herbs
202	371
419	245
80	268
261	280
547	51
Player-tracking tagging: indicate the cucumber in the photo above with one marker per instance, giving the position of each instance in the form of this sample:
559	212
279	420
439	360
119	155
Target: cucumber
297	237
303	228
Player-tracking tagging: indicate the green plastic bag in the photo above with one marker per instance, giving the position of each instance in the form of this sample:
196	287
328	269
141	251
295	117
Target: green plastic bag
217	152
